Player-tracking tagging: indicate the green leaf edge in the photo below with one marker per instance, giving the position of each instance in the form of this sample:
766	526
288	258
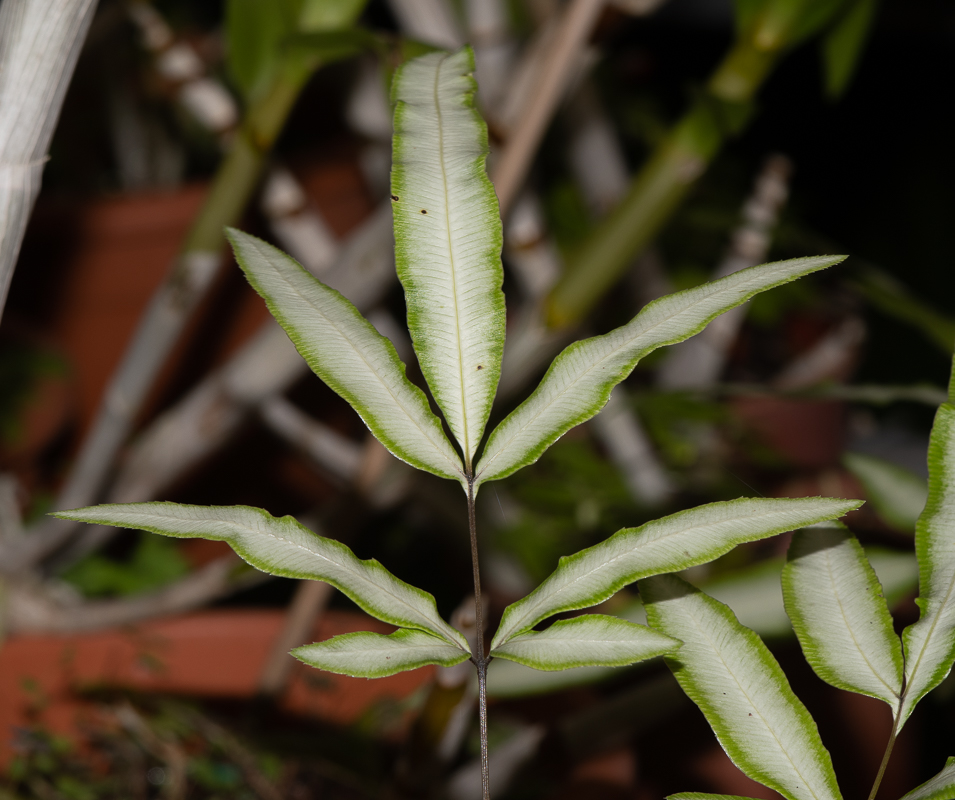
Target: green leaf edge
307	653
936	489
603	395
503	652
88	514
767	663
612	588
810	650
706	796
861	467
844	43
235	237
945	792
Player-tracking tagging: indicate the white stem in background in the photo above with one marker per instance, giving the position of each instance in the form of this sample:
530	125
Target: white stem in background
530	252
335	453
158	331
33	608
830	359
299	230
596	157
40	41
428	21
618	429
307	606
268	364
495	51
297	226
11	524
505	760
698	362
560	62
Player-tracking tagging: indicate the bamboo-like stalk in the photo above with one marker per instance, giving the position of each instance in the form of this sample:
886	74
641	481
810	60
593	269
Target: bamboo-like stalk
672	169
698	362
40	41
188	282
183	289
561	59
267	365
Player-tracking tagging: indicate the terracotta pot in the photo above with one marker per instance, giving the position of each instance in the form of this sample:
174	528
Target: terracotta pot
218	654
807	433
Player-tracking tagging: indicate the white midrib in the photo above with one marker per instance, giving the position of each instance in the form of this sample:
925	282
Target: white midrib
615	350
241	528
910	676
427	434
716	647
488	460
465	435
522	624
845	618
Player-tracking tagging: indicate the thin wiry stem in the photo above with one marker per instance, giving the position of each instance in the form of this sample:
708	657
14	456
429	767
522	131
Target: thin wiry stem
480	660
888	752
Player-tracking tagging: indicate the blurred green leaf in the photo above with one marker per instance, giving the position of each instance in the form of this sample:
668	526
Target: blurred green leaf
156	562
334	45
567	214
258	34
212	774
747	11
674	421
573	499
843	44
896	493
21	369
786	22
810	18
324	15
254	31
75	789
892	298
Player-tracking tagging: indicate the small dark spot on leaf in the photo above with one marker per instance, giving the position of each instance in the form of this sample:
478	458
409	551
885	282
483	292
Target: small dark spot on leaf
395	198
424	211
480	366
750	715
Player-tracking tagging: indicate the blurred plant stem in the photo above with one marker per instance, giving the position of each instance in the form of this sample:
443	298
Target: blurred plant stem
187	283
722	109
239	173
562	59
40	42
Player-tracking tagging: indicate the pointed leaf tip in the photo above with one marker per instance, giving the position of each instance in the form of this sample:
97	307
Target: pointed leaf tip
375	655
283	546
349	355
840	616
672	543
730	674
579	381
448	239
